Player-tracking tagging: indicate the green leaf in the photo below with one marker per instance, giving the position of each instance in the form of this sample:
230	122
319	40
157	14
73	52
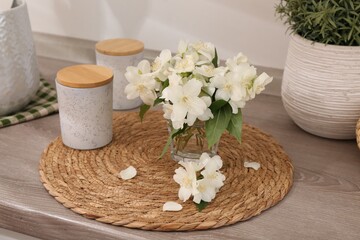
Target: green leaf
168	142
165	84
215	127
235	125
200	206
143	109
172	135
215	59
157	101
217	105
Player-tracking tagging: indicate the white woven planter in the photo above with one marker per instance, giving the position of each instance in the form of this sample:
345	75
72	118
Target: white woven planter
321	87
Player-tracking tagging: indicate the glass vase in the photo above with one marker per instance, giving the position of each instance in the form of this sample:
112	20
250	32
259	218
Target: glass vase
190	144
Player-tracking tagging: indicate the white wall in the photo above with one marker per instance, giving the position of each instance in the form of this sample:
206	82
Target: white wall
232	25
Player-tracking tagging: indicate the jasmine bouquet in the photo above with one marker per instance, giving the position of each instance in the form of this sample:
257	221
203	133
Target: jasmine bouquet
192	88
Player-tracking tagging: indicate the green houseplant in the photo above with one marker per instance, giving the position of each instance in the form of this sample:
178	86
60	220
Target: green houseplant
329	21
321	82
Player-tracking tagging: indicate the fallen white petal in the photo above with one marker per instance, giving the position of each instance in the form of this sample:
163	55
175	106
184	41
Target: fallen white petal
172	206
253	165
127	173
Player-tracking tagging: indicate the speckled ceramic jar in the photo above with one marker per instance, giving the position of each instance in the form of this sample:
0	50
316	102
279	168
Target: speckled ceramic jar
85	106
118	54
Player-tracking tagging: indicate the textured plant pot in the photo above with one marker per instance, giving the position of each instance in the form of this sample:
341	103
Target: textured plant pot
321	87
19	75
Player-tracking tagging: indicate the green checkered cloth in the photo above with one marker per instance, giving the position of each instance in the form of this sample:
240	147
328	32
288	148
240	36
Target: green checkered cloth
42	104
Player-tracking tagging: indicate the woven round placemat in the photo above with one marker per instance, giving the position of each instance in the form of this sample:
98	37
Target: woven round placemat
87	182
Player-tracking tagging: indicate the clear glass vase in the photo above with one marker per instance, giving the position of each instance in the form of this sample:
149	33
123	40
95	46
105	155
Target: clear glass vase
189	145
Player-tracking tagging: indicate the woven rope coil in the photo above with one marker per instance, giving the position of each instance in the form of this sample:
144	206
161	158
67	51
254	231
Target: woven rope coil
86	181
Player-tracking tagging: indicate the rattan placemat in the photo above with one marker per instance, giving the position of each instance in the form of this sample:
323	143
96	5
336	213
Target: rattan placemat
87	182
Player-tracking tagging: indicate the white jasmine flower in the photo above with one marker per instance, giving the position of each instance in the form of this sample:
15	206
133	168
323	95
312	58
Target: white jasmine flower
174	80
141	87
211	163
259	84
167	109
206	191
253	165
127	173
172	206
214	178
185	100
142	69
161	64
163	74
182	47
177	124
229	87
246	75
207	114
161	60
205	70
195	55
190	119
221	71
234	86
184	65
206	50
204	158
211	172
186	178
238	59
235	105
203	189
141	84
198	45
197	166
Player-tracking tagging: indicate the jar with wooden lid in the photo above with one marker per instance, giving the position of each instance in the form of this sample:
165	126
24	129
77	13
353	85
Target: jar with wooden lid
118	54
85	105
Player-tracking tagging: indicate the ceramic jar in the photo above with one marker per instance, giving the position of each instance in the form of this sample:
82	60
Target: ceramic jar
85	106
19	75
117	54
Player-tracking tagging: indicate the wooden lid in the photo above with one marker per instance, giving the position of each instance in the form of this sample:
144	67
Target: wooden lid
84	76
120	47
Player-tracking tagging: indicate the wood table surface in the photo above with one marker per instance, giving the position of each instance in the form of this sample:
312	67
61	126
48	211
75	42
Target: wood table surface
324	202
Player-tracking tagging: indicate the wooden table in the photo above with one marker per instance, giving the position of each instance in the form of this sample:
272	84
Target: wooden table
324	202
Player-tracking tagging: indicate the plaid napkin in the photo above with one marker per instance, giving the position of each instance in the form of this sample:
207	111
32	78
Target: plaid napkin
42	104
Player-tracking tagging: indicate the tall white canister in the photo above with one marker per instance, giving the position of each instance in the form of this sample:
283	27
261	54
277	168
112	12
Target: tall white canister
85	106
117	54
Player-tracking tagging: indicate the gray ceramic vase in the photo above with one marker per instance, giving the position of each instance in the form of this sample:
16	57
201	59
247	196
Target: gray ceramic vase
19	75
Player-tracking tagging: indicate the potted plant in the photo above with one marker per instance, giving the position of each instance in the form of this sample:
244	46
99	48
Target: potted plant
321	82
